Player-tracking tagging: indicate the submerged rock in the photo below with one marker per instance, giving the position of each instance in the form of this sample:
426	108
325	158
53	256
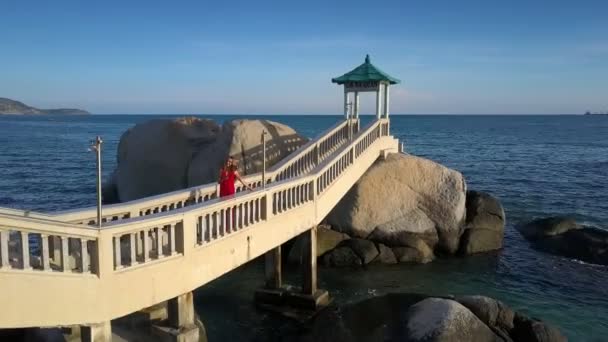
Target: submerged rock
546	227
565	237
164	155
403	199
419	317
485	224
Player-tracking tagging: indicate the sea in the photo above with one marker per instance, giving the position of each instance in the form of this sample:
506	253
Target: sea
537	166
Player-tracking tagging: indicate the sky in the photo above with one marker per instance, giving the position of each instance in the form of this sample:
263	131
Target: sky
264	57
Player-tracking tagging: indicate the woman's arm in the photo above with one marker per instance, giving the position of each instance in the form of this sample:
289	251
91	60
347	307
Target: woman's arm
220	178
238	176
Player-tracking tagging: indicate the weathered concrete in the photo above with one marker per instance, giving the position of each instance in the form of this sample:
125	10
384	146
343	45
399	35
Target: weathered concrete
101	332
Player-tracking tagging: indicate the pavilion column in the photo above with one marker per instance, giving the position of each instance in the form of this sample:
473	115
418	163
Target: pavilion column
357	105
386	100
379	102
345	104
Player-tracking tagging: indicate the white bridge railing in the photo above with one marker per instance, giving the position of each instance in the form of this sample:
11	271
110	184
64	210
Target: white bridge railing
297	163
135	243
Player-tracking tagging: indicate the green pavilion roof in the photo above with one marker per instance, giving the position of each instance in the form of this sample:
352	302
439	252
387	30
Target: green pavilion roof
365	72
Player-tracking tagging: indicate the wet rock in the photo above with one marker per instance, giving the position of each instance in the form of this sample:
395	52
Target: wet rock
565	237
418	252
492	312
365	249
485	224
386	255
532	330
419	317
546	227
342	257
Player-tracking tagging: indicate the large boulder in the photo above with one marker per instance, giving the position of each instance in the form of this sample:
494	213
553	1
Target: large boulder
419	317
564	236
437	319
164	155
495	314
404	199
485	224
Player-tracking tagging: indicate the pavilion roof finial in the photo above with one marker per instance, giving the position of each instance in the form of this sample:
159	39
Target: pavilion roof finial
367	59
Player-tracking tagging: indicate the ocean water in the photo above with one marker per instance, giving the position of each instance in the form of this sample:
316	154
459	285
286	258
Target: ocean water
537	165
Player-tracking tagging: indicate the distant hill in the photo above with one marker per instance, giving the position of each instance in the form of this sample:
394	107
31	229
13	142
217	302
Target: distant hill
8	106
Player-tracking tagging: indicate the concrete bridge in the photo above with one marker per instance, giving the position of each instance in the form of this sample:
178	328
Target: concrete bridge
163	247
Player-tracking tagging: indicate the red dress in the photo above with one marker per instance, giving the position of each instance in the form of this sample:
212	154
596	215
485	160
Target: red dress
227	178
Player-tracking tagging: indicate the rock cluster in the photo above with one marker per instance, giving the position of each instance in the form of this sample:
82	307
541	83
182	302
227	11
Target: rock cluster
564	236
410	209
417	317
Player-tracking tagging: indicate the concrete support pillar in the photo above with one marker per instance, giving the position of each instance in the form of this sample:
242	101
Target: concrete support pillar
181	310
273	269
309	287
182	325
101	332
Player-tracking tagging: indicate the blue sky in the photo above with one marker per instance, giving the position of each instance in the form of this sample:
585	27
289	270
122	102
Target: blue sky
214	57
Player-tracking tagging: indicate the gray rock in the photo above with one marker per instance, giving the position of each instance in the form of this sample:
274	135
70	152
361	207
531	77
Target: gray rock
163	155
419	252
546	227
327	239
480	240
532	330
342	257
386	255
492	312
365	249
485	224
403	197
436	319
565	237
418	317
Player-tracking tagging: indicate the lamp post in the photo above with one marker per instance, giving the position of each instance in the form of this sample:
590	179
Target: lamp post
264	159
96	146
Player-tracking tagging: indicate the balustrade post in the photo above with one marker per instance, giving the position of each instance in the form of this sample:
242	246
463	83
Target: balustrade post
4	234
146	244
25	251
185	239
84	256
159	242
45	253
117	253
133	248
267	206
172	239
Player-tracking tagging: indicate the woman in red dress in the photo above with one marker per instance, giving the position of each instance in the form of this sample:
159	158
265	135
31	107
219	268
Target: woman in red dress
228	176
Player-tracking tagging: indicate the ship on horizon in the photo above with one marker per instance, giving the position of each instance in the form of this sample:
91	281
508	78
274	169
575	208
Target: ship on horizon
596	113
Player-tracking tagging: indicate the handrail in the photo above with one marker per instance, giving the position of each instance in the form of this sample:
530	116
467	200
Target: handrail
331	138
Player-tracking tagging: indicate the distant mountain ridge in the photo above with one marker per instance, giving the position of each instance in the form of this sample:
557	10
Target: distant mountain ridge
8	106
